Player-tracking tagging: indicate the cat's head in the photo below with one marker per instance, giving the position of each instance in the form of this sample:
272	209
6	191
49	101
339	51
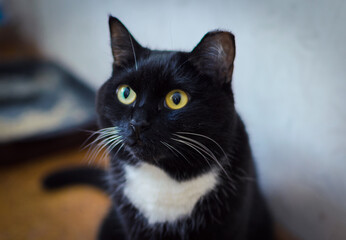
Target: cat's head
169	108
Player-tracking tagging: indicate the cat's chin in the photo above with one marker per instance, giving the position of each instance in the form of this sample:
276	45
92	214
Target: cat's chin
142	153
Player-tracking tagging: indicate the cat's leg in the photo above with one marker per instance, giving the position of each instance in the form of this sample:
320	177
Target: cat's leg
111	227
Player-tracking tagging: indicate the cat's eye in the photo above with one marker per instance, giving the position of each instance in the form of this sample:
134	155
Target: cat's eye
125	94
176	99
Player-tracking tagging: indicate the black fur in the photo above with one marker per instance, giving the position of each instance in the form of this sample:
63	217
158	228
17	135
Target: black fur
72	176
235	209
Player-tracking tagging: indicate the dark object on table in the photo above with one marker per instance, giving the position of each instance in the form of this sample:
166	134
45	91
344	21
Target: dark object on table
43	108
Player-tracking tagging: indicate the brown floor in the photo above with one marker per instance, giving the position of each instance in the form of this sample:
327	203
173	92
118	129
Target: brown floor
28	212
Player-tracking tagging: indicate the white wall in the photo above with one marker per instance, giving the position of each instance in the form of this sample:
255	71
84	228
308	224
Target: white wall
289	81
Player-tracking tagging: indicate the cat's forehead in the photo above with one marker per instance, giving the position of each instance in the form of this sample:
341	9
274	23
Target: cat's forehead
159	72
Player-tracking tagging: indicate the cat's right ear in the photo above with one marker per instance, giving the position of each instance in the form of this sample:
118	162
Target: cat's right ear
126	50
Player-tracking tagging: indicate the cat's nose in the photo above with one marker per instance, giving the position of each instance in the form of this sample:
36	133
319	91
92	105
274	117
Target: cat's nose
139	122
138	126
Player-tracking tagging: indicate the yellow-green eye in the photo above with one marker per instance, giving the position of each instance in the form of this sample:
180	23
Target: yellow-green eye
125	94
176	99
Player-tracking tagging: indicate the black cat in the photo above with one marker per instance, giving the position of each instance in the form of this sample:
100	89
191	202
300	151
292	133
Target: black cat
181	165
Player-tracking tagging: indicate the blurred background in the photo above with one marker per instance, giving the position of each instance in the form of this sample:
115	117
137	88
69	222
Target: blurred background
289	83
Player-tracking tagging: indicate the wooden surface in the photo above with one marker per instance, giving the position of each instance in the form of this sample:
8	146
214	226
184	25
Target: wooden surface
28	212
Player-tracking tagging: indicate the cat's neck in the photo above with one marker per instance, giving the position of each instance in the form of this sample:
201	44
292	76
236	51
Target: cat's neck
159	197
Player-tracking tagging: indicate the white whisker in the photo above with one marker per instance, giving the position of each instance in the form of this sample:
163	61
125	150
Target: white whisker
110	147
193	147
102	133
204	149
122	145
104	144
107	140
208	151
170	147
201	135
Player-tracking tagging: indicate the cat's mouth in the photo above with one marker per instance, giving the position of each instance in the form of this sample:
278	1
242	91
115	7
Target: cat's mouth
139	150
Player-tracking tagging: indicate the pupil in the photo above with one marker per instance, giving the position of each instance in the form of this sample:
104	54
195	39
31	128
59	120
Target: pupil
126	92
176	98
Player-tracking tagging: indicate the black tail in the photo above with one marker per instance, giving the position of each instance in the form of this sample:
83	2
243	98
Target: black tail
74	176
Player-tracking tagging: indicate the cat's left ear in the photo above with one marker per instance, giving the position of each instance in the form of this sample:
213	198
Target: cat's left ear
126	50
214	56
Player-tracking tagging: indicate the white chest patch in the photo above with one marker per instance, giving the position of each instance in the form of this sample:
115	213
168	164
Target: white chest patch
159	197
